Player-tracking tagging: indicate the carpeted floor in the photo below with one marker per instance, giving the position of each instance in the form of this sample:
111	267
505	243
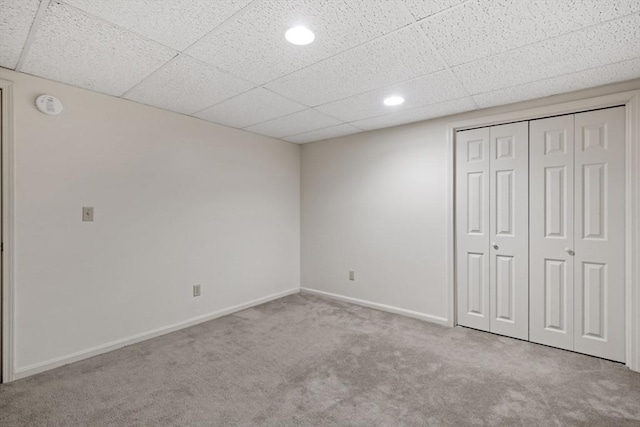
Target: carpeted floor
308	361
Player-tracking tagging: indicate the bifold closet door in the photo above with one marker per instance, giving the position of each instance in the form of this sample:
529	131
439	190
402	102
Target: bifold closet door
599	233
577	232
551	231
509	230
472	228
492	229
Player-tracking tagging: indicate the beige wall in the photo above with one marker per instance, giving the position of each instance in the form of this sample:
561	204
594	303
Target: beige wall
376	203
178	201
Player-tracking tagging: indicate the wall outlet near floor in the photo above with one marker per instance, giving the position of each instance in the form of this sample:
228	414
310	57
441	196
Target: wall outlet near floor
196	290
352	275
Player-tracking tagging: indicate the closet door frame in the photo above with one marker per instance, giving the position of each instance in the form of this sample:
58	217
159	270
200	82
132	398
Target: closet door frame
631	101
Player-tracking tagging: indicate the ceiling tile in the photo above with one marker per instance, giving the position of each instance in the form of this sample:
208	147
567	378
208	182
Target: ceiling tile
186	85
430	89
256	106
326	133
293	124
481	28
74	48
607	43
16	18
396	57
422	8
175	23
254	47
417	114
618	72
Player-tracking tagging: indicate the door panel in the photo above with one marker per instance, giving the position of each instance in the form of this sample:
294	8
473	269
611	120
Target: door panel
593	211
555	215
475	284
594	277
504	187
555	291
599	232
505	292
472	228
475	206
551	237
509	229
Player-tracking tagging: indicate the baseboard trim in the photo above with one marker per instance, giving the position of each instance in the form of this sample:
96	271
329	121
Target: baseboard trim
383	307
114	345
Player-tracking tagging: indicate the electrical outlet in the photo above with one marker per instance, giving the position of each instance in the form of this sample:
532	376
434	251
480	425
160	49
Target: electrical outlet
196	290
352	275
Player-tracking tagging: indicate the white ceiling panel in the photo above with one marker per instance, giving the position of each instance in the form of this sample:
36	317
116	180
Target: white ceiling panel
253	44
421	9
74	48
16	18
481	28
293	124
431	89
417	114
256	106
174	23
607	43
186	85
620	71
326	133
397	57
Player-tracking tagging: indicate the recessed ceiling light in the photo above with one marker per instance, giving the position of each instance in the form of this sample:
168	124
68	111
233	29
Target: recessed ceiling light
393	100
299	35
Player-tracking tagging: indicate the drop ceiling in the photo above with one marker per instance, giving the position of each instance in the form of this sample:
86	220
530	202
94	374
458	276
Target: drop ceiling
227	61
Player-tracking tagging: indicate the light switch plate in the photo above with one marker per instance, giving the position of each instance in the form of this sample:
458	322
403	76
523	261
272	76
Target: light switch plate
352	275
87	213
196	290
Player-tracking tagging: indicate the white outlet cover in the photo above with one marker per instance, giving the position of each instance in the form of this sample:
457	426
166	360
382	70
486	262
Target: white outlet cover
49	105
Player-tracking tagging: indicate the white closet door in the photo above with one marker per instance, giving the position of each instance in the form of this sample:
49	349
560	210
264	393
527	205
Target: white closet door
509	230
599	233
551	231
472	227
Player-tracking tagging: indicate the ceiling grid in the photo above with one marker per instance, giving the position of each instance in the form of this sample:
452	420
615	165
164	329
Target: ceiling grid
228	61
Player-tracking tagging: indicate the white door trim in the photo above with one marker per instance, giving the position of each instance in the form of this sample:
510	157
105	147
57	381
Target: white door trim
8	307
631	100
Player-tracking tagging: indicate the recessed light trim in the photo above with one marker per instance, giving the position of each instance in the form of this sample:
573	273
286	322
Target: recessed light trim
393	100
299	35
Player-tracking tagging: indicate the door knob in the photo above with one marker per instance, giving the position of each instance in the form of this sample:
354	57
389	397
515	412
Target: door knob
495	246
569	251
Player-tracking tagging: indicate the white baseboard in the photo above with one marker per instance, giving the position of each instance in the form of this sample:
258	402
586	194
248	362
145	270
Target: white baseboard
383	307
114	345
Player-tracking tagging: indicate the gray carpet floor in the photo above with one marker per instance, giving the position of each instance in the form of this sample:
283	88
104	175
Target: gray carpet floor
308	361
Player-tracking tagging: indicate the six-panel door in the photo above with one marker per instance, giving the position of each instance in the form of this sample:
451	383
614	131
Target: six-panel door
492	229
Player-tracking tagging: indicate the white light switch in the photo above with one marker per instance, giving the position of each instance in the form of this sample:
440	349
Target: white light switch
352	275
87	213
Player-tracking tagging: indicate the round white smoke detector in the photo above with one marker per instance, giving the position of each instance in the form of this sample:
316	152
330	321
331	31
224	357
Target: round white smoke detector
49	105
